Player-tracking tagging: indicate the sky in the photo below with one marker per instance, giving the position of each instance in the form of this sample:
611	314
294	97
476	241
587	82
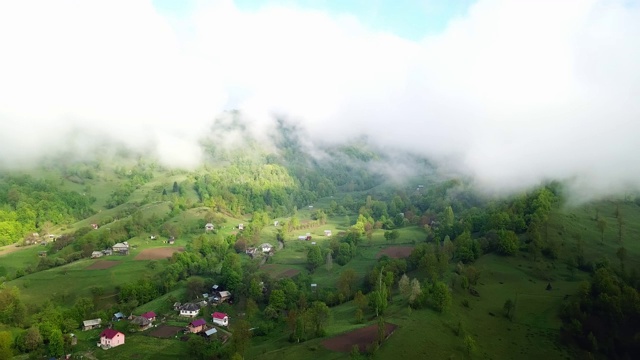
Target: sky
511	93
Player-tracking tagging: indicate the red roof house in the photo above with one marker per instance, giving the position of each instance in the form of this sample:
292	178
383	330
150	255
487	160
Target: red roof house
149	315
197	325
220	319
111	338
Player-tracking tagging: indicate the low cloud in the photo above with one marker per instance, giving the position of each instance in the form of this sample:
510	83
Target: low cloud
512	93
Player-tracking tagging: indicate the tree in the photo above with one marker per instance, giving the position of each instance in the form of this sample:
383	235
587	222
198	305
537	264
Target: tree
378	297
319	314
392	235
314	257
56	343
621	253
507	242
195	286
441	297
360	300
469	345
404	285
277	299
30	340
347	282
329	261
602	225
176	188
359	315
6	342
415	291
508	308
448	217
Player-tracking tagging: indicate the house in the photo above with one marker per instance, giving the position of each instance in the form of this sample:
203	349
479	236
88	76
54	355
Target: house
189	309
211	332
250	251
221	296
121	248
220	319
197	325
149	315
208	227
266	247
110	338
107	252
96	254
142	323
153	237
327	233
95	226
240	226
302	237
118	316
91	324
172	240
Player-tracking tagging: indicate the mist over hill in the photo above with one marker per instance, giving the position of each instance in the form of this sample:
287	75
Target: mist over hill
509	94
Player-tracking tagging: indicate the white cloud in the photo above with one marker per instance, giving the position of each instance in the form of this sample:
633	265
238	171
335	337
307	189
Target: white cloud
513	93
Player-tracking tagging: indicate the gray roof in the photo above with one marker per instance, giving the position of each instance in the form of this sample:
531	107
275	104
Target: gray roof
190	307
118	315
139	320
211	331
92	322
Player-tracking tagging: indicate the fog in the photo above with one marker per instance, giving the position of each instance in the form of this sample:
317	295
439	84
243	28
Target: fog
513	93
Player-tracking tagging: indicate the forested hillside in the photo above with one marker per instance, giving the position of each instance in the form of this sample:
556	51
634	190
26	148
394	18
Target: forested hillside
378	251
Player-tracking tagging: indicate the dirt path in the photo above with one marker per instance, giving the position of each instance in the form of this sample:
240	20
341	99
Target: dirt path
8	249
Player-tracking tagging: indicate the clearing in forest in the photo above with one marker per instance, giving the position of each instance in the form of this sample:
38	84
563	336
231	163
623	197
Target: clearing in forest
158	253
363	337
396	252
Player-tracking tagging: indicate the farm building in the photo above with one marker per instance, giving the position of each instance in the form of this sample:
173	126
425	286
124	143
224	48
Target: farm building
221	296
208	227
266	247
141	322
110	338
172	240
118	316
250	251
189	309
197	326
240	226
95	226
327	233
220	319
176	306
153	237
91	324
96	254
121	248
42	253
304	237
107	252
211	332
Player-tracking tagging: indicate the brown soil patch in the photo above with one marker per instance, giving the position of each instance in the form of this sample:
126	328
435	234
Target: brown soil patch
158	253
102	264
363	337
289	273
166	331
396	252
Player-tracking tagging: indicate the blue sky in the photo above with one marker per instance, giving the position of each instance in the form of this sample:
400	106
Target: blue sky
410	19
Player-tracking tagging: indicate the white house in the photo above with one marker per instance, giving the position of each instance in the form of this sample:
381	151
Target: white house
220	319
240	226
327	233
266	247
189	310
